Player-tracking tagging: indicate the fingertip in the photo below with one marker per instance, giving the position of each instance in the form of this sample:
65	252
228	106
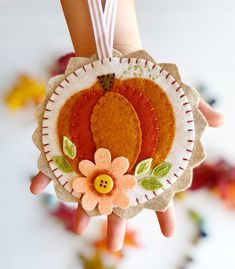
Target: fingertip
168	231
34	189
81	222
217	120
214	118
167	221
39	183
115	232
114	246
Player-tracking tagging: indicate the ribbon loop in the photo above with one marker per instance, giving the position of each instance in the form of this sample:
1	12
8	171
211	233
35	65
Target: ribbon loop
103	23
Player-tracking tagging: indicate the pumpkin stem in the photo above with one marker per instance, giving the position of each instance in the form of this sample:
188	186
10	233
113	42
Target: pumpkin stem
106	81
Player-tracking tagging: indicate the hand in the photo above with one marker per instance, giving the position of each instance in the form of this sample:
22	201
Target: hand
78	21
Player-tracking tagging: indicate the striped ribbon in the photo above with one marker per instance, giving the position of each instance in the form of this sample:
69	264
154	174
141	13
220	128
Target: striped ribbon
103	23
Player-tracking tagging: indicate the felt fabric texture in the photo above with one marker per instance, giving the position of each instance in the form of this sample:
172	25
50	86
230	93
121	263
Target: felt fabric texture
119	166
81	184
164	112
80	123
86	167
160	202
78	110
116	170
147	117
115	126
83	102
63	124
107	81
103	158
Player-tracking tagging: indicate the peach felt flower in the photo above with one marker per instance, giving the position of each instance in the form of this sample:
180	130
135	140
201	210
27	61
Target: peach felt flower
104	182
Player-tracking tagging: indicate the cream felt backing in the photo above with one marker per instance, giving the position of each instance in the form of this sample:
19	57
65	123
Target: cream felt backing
189	125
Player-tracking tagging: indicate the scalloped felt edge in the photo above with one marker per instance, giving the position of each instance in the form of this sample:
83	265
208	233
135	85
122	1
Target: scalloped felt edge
160	202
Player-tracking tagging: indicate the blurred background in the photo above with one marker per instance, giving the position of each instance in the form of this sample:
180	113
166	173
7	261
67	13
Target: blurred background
35	231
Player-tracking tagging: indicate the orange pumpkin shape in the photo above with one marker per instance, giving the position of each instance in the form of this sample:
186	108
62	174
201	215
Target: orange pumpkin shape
126	120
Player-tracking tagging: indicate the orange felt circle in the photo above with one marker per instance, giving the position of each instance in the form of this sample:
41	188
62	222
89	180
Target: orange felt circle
163	108
147	117
115	126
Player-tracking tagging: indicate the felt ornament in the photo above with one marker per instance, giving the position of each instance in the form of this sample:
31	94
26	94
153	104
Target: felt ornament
119	133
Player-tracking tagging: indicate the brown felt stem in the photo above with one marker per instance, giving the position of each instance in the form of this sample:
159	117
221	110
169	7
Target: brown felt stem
127	38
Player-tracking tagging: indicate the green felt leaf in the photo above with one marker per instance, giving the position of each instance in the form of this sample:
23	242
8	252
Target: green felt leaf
161	170
143	167
62	164
150	183
69	148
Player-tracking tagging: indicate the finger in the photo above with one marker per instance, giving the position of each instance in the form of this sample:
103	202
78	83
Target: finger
214	118
115	232
82	220
167	221
39	183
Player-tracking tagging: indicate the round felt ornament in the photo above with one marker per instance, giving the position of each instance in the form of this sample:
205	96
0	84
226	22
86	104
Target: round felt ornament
119	133
125	121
